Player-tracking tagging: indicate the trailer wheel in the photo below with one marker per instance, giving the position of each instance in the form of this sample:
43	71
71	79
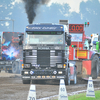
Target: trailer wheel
95	67
68	77
26	81
15	67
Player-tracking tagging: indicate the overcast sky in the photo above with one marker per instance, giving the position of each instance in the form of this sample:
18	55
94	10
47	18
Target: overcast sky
76	11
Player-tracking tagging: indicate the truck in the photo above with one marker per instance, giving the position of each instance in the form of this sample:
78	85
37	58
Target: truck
10	52
93	60
88	57
46	53
77	42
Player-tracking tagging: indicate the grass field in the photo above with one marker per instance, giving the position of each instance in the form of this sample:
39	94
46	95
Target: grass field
82	96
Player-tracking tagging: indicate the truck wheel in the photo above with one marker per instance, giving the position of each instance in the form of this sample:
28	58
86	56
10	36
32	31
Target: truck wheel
26	81
99	69
68	77
95	67
75	77
15	67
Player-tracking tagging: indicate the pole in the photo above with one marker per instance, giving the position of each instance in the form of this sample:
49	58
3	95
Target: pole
13	25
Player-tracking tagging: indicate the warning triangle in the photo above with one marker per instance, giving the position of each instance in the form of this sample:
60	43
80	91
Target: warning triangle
90	88
62	91
32	93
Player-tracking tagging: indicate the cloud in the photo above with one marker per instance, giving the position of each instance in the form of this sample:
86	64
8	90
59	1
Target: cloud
81	16
5	7
94	12
2	24
6	24
10	13
89	10
11	7
1	5
16	1
74	4
13	3
7	18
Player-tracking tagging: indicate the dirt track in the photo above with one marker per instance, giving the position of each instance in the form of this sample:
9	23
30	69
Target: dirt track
11	88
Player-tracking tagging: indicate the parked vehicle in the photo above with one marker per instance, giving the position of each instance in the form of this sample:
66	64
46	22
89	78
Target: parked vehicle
88	57
10	52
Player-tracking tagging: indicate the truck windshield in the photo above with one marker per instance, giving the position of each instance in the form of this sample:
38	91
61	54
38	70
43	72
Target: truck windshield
95	39
76	37
44	38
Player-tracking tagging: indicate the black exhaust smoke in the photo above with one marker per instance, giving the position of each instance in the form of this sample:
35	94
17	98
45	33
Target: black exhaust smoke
31	7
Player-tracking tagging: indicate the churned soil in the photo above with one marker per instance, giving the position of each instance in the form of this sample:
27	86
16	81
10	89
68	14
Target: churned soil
11	87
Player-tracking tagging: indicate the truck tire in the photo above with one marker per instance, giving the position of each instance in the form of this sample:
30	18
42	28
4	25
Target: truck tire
99	69
95	67
15	67
67	80
26	81
75	77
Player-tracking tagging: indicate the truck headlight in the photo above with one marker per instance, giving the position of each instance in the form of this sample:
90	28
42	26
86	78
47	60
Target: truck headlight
60	72
26	65
59	66
25	72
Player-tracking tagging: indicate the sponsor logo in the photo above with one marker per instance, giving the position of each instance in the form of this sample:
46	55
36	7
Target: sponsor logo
35	65
90	91
44	28
63	96
31	72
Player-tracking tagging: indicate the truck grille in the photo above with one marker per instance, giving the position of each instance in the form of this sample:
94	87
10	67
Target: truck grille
43	58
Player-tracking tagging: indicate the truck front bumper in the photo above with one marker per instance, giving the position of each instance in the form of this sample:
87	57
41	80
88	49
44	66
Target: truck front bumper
43	75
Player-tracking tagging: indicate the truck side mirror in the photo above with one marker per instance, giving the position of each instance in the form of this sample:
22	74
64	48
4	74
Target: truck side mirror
69	42
20	39
90	46
68	39
89	41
